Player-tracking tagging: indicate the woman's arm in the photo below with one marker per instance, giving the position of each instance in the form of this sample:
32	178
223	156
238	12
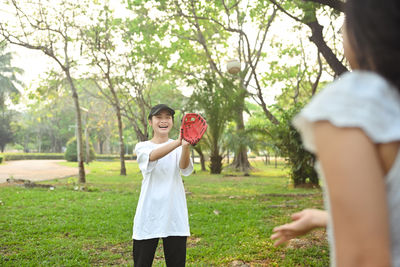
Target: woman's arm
356	186
303	222
160	152
185	156
164	150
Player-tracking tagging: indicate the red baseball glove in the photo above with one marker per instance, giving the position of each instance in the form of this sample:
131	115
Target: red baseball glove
193	127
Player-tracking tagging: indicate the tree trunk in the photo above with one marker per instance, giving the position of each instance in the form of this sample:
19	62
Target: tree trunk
318	39
116	104
101	142
267	161
120	131
215	159
87	156
215	164
241	161
121	142
25	143
316	34
141	136
53	143
81	166
39	143
202	160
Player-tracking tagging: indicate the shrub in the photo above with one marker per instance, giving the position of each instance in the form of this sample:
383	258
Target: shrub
107	157
288	141
29	156
71	152
1	159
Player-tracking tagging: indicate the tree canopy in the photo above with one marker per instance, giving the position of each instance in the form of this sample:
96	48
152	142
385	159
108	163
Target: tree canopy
118	64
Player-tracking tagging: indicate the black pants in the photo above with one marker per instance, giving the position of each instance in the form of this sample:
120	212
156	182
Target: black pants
174	251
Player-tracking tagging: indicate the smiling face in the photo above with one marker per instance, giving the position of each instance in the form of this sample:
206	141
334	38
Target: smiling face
161	123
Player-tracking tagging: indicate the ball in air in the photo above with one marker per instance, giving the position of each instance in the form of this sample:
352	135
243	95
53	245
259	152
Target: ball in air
233	66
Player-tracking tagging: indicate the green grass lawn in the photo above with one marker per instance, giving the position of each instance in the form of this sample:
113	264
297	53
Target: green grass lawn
231	218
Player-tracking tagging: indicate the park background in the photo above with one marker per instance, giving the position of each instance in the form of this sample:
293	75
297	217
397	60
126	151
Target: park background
77	80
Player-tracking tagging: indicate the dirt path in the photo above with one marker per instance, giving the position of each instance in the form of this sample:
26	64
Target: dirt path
35	170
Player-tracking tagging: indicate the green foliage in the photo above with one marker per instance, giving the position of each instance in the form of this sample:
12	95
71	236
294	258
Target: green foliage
28	156
111	157
1	159
8	78
71	152
307	9
46	125
6	133
256	134
295	78
8	91
288	140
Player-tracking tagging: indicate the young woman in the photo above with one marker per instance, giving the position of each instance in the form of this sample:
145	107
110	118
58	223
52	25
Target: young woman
161	211
353	126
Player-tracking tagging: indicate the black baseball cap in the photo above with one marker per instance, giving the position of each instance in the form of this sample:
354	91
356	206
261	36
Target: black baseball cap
157	108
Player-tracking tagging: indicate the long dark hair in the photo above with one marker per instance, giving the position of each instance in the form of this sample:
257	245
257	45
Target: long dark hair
373	29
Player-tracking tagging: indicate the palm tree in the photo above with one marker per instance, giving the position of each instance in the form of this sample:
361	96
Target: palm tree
216	98
8	90
8	79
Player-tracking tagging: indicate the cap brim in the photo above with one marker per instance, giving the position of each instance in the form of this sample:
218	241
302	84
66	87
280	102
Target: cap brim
163	108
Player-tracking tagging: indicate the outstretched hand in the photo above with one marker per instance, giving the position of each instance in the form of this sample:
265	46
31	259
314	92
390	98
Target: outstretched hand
303	222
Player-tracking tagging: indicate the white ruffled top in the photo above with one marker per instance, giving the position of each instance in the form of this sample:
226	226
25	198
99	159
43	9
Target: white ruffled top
365	100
